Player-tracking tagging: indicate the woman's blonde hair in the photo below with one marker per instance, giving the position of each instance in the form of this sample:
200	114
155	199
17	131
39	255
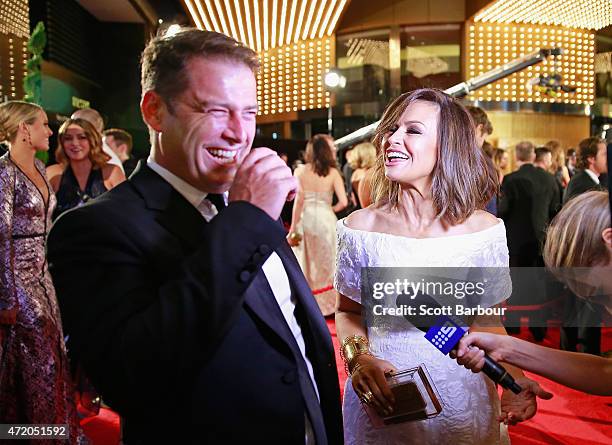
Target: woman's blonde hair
558	155
464	178
364	156
97	157
13	113
573	238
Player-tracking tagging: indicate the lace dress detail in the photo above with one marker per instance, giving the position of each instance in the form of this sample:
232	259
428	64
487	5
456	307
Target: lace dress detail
317	250
471	402
35	384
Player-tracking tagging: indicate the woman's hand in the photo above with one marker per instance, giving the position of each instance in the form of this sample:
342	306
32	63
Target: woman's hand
370	383
471	349
517	408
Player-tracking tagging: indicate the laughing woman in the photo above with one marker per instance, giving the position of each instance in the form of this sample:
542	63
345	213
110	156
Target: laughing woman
82	172
429	185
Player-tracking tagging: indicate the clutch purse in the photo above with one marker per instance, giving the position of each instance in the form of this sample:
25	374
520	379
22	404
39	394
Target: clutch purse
416	398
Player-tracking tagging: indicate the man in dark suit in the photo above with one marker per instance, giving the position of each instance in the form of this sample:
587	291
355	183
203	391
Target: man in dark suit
529	200
120	141
582	321
591	164
192	318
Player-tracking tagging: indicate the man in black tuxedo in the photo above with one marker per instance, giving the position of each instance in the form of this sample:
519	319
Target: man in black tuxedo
529	200
582	321
192	319
592	163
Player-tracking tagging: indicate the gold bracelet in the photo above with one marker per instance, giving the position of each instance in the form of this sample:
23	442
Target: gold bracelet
352	347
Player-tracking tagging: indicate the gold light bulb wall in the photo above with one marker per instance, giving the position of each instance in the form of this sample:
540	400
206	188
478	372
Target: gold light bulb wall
585	14
489	45
14	35
291	76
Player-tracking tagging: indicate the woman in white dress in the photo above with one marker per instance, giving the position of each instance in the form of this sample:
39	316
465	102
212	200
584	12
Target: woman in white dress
313	224
429	183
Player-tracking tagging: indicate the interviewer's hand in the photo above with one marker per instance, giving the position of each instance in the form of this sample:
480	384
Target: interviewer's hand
519	407
471	349
369	375
264	180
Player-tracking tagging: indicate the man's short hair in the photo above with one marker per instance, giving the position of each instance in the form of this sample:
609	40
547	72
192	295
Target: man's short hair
587	148
524	151
120	137
480	118
165	57
541	152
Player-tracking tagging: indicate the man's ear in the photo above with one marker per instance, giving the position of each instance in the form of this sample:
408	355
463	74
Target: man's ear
606	235
153	108
590	161
122	148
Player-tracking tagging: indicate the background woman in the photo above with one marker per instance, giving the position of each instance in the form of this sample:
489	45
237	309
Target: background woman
35	384
314	218
500	160
364	157
558	167
82	172
429	180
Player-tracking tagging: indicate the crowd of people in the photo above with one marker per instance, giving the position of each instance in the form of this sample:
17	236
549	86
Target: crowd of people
190	307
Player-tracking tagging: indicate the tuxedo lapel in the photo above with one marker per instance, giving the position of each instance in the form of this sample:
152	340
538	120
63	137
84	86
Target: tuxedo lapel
174	212
260	299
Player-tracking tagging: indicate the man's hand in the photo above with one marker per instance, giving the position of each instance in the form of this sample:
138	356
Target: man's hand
523	406
265	181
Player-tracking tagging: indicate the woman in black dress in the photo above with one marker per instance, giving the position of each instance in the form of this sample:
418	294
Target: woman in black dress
82	172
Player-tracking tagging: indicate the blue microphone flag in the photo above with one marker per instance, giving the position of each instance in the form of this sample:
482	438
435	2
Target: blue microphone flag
445	333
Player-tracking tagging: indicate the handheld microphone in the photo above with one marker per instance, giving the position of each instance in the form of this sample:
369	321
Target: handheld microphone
445	331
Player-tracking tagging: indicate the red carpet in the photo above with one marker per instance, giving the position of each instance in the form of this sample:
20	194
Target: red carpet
569	418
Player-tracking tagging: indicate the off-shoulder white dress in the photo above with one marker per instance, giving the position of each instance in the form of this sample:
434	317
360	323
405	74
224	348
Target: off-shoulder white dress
471	402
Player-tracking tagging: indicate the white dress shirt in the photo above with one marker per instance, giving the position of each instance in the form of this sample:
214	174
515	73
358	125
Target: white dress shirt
273	269
114	160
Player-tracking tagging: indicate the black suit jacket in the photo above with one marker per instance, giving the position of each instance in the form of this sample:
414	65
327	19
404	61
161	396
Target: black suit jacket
529	199
177	327
580	183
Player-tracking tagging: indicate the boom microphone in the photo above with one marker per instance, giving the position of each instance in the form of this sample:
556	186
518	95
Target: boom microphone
446	331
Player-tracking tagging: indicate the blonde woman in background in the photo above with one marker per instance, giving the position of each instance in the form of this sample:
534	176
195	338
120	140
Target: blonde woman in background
363	159
313	224
558	167
500	160
35	383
